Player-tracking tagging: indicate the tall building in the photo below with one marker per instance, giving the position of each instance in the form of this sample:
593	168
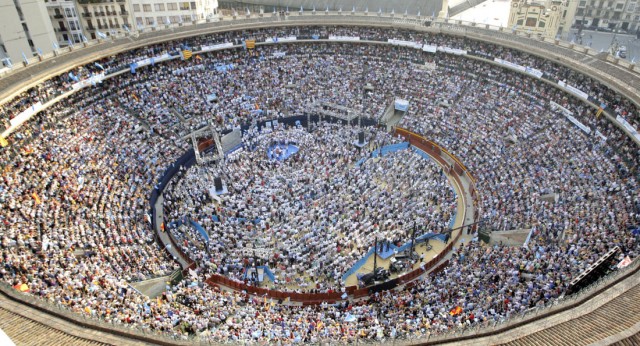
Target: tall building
65	20
544	18
608	15
25	30
149	13
105	17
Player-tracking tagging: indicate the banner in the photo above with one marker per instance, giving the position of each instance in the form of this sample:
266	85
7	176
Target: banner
429	48
26	114
573	90
343	38
93	80
567	113
250	44
628	126
216	47
281	39
449	50
402	43
279	54
599	134
528	70
401	105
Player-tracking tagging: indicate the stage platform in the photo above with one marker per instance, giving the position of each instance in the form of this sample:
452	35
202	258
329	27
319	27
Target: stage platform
281	152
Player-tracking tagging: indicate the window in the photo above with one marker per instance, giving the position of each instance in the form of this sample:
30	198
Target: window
531	22
519	22
136	7
162	20
73	25
619	6
149	20
184	6
146	7
158	7
193	5
65	37
139	20
631	7
582	4
541	24
172	6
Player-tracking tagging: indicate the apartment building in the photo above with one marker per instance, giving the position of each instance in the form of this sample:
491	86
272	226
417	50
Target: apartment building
608	15
101	18
65	21
150	13
25	31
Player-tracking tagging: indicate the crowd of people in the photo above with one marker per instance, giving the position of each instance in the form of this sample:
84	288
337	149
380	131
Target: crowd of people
76	178
317	212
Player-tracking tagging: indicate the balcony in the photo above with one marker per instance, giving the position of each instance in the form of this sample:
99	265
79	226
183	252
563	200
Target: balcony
114	26
61	30
99	14
100	26
86	14
124	13
91	27
58	16
109	13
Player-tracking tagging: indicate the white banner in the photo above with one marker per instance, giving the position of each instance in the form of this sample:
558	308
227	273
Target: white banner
281	39
26	114
279	54
429	48
94	79
599	134
573	90
527	70
567	113
216	46
165	56
449	50
343	38
402	43
628	126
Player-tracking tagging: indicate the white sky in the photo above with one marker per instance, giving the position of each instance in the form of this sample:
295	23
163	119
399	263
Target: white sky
493	12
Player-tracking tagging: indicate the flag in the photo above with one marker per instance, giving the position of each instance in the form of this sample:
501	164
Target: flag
26	61
3	142
126	28
153	61
455	311
39	51
136	98
99	66
198	57
70	42
600	110
84	38
624	263
74	77
101	34
36	198
133	67
55	46
186	54
251	44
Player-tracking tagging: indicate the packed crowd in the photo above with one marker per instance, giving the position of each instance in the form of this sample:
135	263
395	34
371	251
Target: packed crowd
554	71
75	184
316	213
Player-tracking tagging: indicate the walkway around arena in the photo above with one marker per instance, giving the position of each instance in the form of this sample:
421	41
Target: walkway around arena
28	326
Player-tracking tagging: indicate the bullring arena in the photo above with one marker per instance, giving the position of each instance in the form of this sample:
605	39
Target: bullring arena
323	179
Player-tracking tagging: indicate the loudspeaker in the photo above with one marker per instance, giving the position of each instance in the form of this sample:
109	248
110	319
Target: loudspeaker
361	137
218	184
